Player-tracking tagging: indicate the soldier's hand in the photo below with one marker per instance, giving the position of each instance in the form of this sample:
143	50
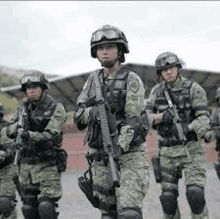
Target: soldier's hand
119	152
168	116
208	137
3	156
93	113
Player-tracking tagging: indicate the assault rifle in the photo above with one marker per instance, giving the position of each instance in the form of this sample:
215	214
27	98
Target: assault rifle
19	140
107	139
176	121
19	143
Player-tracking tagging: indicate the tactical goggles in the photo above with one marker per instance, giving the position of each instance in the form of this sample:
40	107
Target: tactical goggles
30	78
169	59
108	34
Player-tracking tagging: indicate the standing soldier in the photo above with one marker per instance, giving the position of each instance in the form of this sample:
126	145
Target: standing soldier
190	103
123	93
7	172
214	134
38	132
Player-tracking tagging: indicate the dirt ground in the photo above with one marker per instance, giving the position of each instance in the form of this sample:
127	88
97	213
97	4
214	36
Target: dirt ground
74	204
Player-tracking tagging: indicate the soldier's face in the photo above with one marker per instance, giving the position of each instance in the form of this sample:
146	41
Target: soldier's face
34	92
107	54
169	74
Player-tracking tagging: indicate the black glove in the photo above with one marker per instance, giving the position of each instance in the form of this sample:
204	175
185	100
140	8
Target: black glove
94	113
168	116
25	135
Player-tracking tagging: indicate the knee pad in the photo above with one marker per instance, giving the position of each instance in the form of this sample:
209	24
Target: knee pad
46	208
29	208
130	213
196	199
6	206
109	215
168	201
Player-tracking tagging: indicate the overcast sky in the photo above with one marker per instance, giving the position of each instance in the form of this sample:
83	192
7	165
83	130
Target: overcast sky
54	36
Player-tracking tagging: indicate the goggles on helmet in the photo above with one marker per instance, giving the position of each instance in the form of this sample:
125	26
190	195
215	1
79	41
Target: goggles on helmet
31	78
169	59
108	34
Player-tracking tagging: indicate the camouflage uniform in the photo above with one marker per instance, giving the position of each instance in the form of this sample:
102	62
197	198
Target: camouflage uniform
40	175
124	92
214	133
190	100
7	173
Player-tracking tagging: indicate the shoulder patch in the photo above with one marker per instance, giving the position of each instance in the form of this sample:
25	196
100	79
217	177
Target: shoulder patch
198	92
134	84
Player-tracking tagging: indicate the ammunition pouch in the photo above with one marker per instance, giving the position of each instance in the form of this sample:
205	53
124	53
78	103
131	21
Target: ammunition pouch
93	136
166	130
156	167
140	126
61	160
191	136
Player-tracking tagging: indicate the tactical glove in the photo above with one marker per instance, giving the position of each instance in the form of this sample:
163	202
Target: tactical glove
168	116
94	113
208	137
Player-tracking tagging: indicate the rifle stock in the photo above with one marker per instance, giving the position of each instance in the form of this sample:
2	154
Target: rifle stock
107	140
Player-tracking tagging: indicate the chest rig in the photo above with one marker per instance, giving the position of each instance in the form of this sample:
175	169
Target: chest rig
115	92
39	117
36	120
115	96
181	99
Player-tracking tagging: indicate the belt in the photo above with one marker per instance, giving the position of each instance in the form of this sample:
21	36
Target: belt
169	143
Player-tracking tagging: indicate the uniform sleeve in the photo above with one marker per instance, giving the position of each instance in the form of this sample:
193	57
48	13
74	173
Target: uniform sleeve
150	106
53	127
12	128
201	124
133	107
81	116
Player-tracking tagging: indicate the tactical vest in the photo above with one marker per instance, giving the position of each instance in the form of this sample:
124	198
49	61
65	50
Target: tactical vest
115	95
181	99
36	120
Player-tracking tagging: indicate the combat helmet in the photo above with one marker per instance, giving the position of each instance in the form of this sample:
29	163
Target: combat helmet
217	96
34	77
166	60
108	34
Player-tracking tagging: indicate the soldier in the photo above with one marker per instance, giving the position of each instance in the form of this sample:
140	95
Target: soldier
123	92
42	158
214	134
191	104
7	172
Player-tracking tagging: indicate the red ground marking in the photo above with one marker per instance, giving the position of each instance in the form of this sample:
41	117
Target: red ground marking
73	143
